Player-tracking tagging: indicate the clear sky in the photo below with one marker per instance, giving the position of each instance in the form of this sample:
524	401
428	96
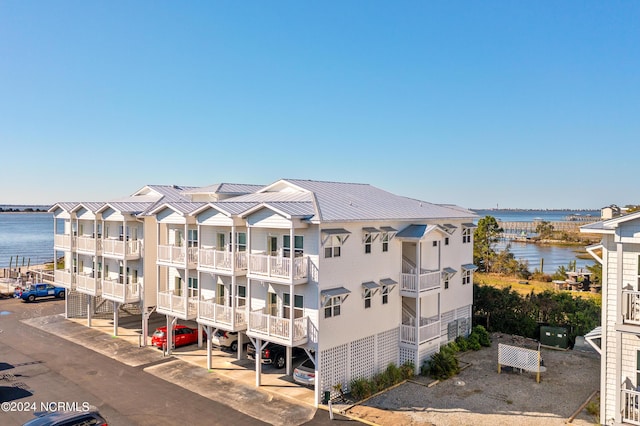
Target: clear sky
529	104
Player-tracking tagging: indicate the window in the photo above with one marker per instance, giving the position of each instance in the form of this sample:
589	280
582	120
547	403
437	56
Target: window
220	294
385	294
446	282
135	276
192	238
367	298
272	304
332	308
241	241
333	246
385	242
220	242
192	287
435	244
286	244
637	368
298	305
242	295
446	241
368	239
177	282
466	276
466	235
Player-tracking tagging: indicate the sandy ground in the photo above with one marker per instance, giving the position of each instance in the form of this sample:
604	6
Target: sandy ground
481	396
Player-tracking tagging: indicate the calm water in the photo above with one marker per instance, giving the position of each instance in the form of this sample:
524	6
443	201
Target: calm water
553	256
28	235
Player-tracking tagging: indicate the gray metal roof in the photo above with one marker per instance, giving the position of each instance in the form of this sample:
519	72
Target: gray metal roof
339	201
370	285
388	281
469	267
66	206
264	197
294	208
226	188
449	271
172	193
333	292
130	207
232	207
92	206
417	231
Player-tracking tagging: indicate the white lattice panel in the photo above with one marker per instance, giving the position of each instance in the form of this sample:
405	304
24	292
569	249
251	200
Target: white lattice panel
76	304
387	348
513	356
333	368
361	356
407	354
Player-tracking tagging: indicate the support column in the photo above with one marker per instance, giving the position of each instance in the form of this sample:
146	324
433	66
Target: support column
88	310
289	357
240	345
258	346
418	312
200	336
116	314
209	364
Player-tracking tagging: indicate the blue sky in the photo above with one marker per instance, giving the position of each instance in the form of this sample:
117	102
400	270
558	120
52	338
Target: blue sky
530	104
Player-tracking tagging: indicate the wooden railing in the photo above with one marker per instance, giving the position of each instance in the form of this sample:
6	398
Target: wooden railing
272	326
630	402
278	266
87	283
415	283
64	278
62	241
125	293
426	332
221	314
222	260
630	307
88	244
181	305
120	248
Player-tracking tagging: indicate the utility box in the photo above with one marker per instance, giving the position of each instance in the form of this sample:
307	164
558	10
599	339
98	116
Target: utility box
554	336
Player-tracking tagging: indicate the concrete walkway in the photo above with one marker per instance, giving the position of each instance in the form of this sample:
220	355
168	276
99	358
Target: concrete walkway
278	401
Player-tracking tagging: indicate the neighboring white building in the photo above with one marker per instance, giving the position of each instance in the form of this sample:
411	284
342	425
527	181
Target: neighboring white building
619	254
355	275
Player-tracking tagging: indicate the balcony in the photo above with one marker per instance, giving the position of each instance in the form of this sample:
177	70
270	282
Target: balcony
278	269
87	284
64	279
119	292
413	285
631	307
215	315
62	242
121	249
182	307
178	256
630	402
277	329
87	245
428	330
221	261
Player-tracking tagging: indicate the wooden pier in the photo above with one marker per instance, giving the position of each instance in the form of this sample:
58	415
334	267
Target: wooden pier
513	229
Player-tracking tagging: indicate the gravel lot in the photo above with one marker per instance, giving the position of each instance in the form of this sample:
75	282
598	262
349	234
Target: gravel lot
481	396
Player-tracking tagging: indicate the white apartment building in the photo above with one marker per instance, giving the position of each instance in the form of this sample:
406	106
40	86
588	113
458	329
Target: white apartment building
619	254
355	275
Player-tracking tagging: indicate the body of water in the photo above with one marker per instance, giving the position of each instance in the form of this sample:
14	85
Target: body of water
554	256
27	235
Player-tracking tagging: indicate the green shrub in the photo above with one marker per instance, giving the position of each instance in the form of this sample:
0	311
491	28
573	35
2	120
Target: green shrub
462	344
454	347
483	335
394	373
443	364
473	342
361	388
407	369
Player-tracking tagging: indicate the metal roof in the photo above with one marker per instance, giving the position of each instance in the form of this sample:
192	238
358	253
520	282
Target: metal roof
417	231
469	267
333	292
370	285
66	206
388	282
450	271
338	201
295	208
226	188
129	207
233	207
92	206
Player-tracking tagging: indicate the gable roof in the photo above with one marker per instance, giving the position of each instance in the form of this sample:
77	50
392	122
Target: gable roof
226	188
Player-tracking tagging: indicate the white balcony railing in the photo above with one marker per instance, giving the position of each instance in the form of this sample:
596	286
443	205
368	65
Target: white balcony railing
62	241
272	326
87	283
428	331
120	248
631	307
186	307
630	402
222	260
124	293
63	278
278	266
415	283
88	244
221	314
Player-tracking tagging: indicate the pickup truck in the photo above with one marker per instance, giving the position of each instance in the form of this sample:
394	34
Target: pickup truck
274	354
34	291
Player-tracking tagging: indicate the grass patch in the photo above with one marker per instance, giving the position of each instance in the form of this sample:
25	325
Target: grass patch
499	281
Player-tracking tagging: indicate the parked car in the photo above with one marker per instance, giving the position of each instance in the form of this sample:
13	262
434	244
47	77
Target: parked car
274	354
68	418
35	291
183	335
305	373
225	339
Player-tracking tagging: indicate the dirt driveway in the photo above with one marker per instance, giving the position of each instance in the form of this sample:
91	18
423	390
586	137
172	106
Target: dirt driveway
481	396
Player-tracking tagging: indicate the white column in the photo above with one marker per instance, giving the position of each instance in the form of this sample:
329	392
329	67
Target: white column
209	364
234	252
115	318
258	345
418	313
292	246
88	310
